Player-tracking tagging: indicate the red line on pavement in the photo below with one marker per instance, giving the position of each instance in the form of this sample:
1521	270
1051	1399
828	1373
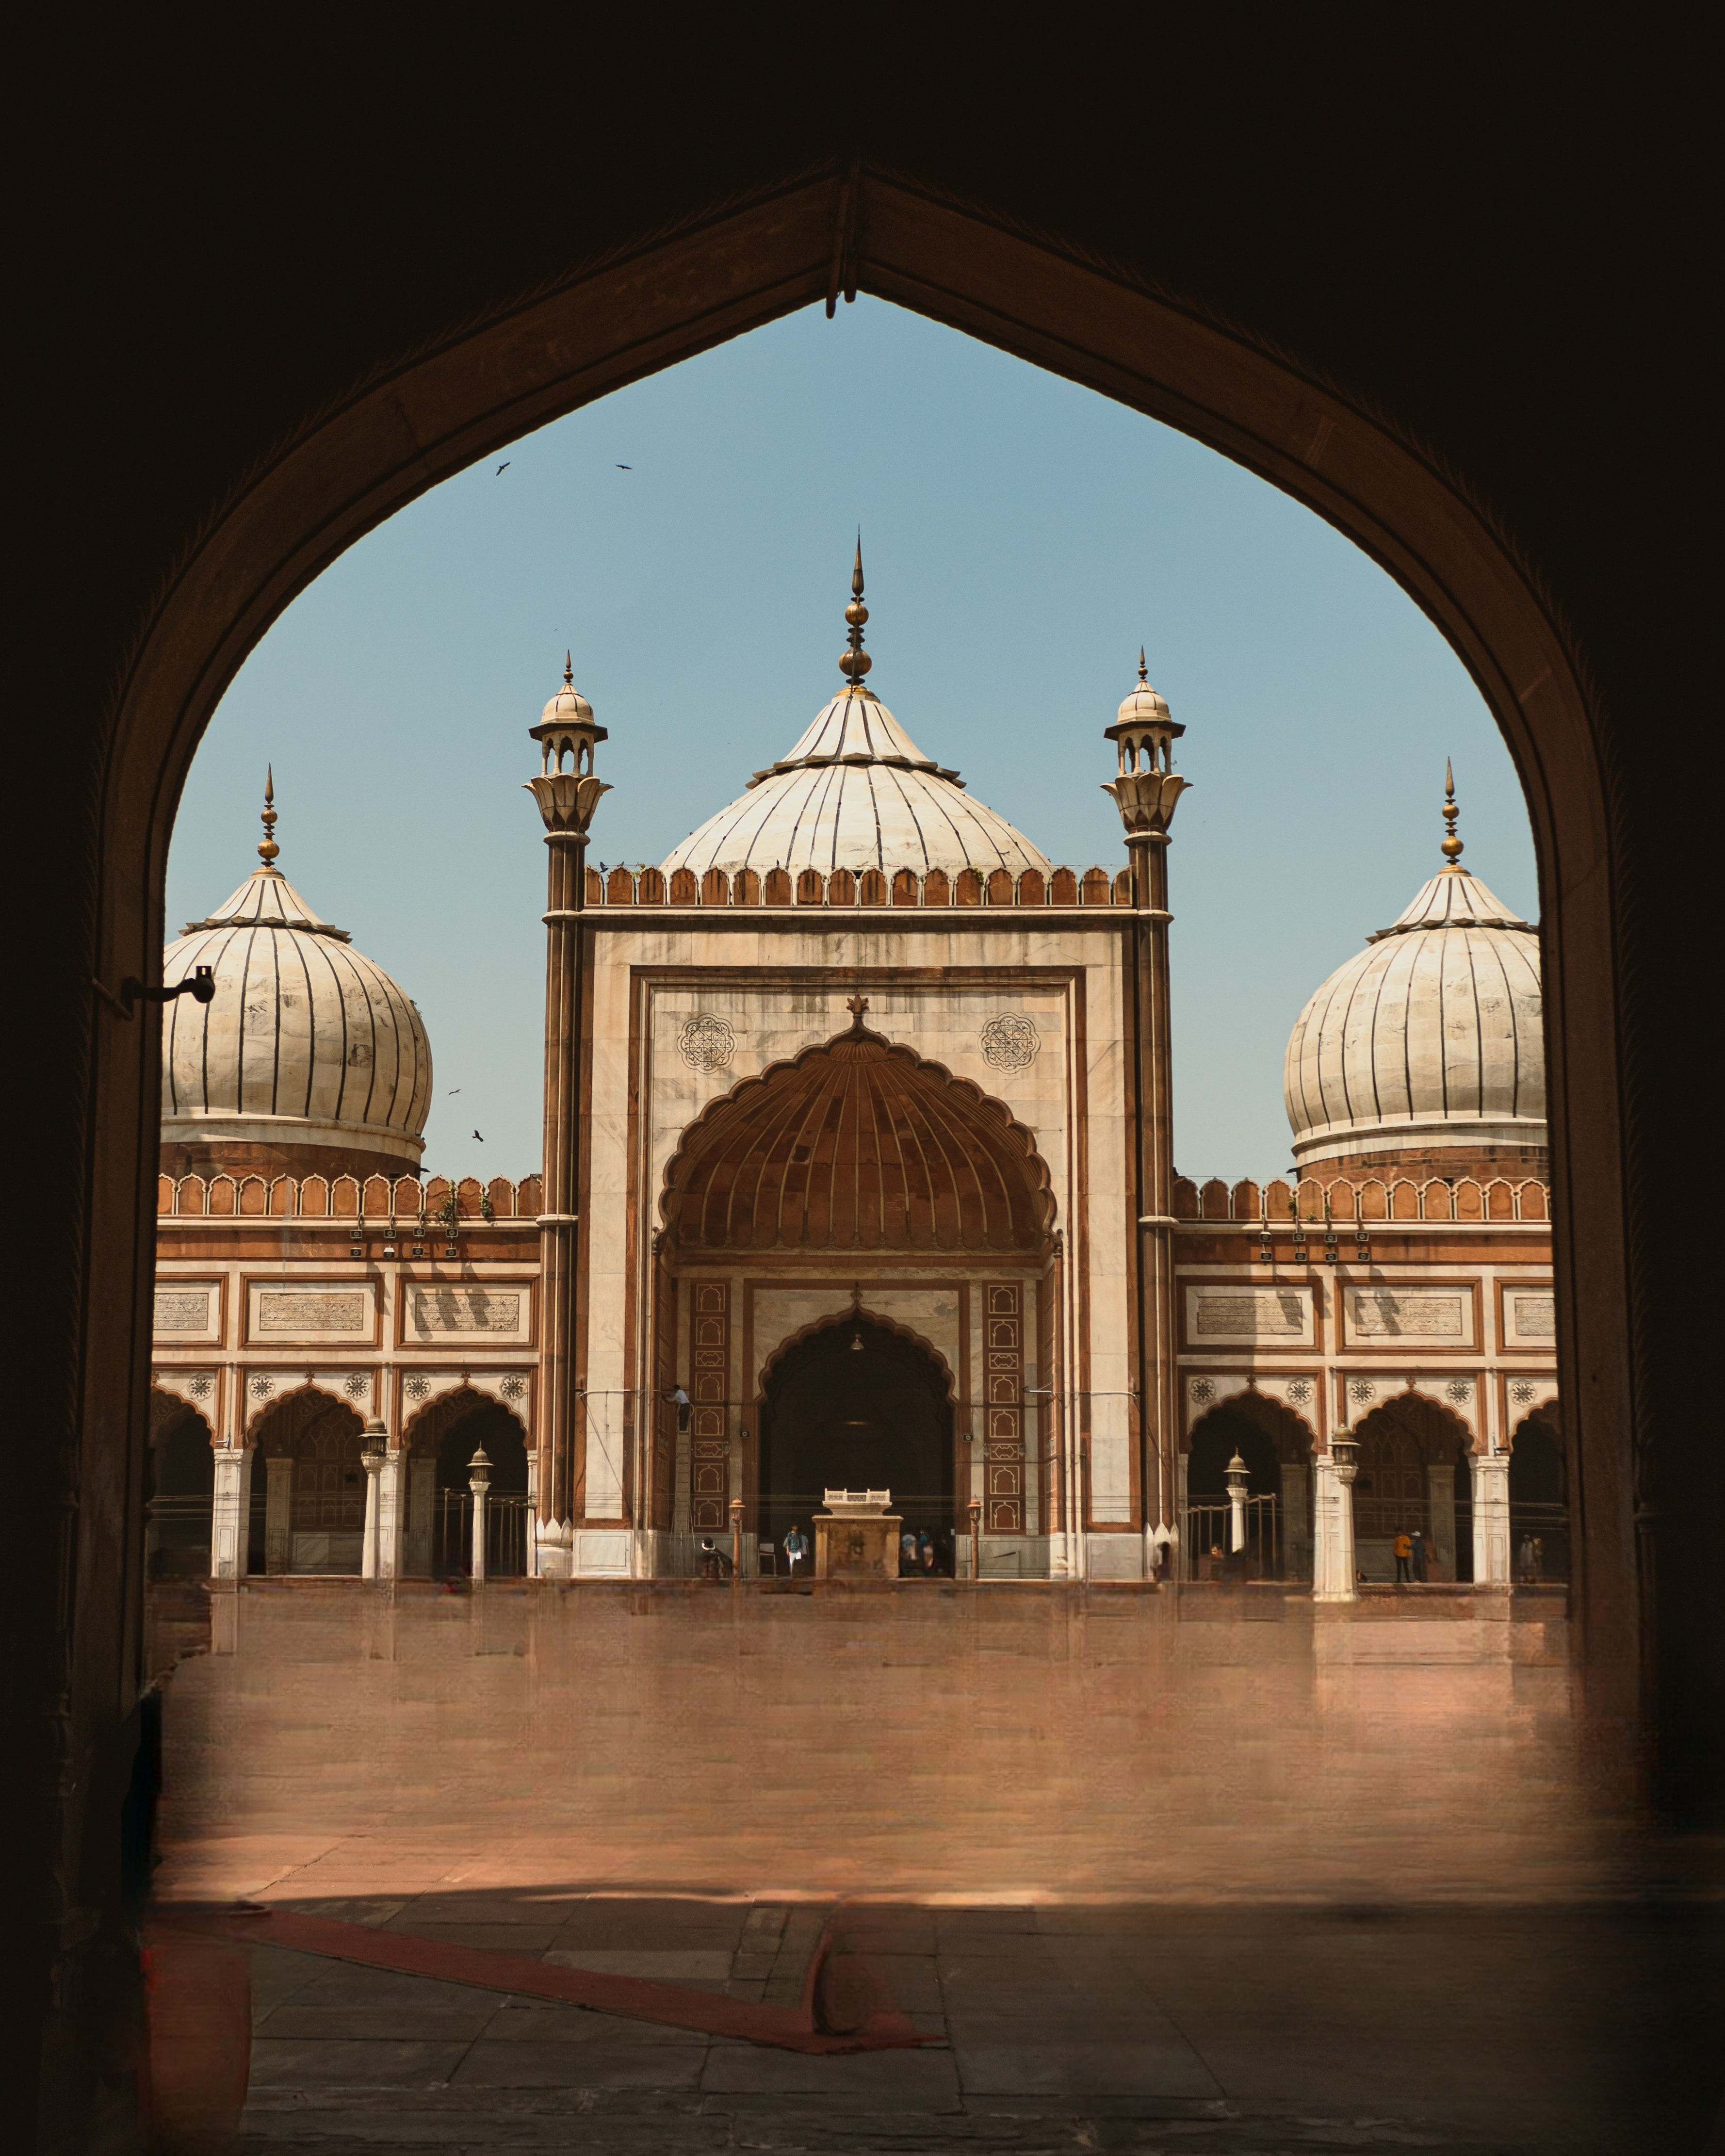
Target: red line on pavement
784	2028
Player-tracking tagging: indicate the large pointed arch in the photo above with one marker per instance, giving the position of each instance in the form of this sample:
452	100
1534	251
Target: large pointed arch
857	1143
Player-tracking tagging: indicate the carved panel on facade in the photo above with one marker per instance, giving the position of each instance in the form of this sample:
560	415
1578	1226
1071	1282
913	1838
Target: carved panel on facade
1003	1396
182	1309
440	1312
1009	1041
1530	1316
315	1311
705	1042
709	1431
1219	1315
1424	1314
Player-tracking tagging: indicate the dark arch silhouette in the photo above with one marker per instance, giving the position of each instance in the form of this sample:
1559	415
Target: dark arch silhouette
1197	315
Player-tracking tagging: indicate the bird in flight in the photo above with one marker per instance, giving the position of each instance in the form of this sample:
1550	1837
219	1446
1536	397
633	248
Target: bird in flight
625	468
479	1136
454	1091
503	467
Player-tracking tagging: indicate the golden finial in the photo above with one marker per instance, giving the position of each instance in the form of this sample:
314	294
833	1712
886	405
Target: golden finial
1144	670
268	850
857	662
568	669
1451	847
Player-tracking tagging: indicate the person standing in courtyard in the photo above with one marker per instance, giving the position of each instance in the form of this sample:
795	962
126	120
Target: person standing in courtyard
1524	1561
1403	1557
1418	1540
796	1549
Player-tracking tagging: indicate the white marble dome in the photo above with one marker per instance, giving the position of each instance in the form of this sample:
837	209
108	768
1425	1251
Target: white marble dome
1430	1039
856	792
308	1043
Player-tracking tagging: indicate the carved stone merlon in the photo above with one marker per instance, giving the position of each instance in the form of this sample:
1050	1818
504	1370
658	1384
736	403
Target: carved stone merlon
1148	789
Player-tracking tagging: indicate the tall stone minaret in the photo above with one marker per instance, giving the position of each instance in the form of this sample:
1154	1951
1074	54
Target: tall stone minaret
567	794
1146	791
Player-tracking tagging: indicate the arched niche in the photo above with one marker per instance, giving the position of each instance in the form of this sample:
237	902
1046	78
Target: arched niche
1539	1523
856	1402
307	1445
440	1439
179	1489
1413	1476
1276	1446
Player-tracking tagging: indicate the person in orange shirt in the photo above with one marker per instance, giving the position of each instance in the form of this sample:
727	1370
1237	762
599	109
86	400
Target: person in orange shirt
1403	1557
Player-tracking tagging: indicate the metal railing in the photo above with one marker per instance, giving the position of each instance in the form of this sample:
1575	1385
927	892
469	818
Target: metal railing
1209	1528
507	1517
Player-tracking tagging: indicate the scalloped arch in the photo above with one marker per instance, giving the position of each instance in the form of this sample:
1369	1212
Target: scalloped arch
858	1142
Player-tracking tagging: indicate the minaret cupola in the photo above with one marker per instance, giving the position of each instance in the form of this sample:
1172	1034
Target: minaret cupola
1147	786
566	791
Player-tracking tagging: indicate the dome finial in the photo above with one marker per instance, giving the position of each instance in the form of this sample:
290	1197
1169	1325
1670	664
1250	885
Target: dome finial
268	850
1450	848
857	662
568	669
1144	670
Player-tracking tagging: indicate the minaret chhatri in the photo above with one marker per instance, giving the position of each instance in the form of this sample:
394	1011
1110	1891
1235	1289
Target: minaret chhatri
1146	791
567	794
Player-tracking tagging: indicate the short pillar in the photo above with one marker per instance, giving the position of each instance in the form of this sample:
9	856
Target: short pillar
975	1509
1491	1519
279	1516
1334	1564
479	1480
231	1512
1235	1478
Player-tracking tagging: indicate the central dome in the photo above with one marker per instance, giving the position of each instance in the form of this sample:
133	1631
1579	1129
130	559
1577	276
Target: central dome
856	792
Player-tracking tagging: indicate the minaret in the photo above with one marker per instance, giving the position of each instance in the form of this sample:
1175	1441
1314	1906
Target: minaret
567	794
1145	792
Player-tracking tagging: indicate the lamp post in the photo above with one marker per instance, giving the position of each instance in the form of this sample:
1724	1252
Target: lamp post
976	1537
735	1539
1235	1476
373	1451
1333	1571
479	1480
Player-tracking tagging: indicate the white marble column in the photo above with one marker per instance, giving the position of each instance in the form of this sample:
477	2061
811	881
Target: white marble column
231	1513
480	1494
390	1481
1491	1519
1333	1563
368	1565
279	1516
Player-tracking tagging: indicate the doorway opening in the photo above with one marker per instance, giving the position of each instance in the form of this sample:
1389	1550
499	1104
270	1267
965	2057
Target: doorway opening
858	1405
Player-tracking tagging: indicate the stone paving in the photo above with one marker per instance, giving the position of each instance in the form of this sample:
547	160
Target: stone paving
1059	2027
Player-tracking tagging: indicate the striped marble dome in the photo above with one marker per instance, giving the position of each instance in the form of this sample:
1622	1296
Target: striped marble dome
856	792
1430	1039
308	1043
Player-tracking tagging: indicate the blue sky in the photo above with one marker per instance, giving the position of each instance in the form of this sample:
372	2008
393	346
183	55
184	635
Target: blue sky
1022	538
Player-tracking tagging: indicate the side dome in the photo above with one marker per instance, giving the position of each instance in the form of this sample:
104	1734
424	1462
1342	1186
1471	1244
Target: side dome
309	1060
1426	1051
